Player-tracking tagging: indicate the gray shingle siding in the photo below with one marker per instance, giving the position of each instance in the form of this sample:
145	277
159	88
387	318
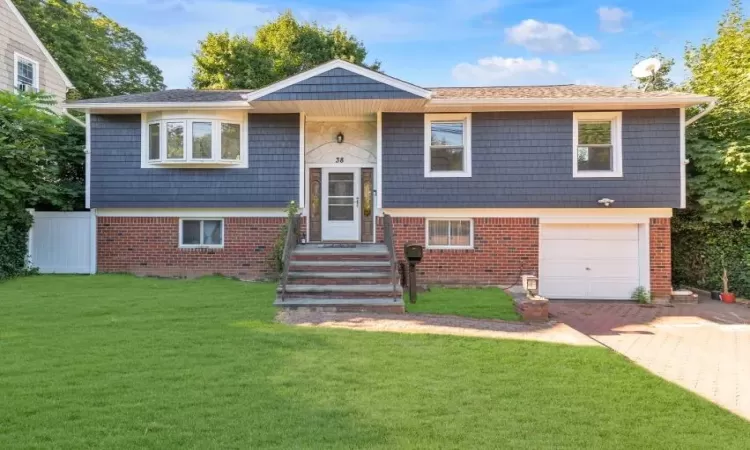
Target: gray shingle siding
117	180
338	84
524	159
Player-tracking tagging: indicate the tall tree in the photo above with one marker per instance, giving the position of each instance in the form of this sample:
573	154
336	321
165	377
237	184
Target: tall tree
100	56
719	144
280	48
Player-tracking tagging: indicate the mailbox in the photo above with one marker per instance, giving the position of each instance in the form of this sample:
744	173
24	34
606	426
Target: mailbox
413	253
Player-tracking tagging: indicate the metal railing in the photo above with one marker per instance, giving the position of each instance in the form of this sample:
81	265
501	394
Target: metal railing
292	236
388	238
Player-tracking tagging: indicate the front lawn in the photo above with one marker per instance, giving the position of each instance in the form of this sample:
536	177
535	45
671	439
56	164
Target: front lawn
483	303
121	362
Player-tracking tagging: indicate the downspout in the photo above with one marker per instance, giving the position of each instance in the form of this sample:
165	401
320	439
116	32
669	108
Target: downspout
74	118
696	117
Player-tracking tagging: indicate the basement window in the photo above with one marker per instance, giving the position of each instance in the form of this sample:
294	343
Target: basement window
201	233
450	233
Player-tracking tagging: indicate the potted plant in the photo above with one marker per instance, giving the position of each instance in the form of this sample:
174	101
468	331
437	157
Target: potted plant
726	296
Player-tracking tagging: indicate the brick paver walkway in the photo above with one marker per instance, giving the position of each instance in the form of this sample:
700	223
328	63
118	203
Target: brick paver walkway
704	348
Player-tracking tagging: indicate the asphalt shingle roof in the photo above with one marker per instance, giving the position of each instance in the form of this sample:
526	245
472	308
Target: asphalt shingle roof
171	96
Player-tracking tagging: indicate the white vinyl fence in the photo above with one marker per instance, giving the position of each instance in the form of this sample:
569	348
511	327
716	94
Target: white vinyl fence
63	242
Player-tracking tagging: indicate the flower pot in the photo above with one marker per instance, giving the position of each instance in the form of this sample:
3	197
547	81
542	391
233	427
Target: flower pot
728	297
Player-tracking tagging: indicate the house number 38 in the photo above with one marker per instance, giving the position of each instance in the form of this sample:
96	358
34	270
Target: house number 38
339	159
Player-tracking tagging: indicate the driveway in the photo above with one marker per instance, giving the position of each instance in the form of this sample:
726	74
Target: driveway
704	348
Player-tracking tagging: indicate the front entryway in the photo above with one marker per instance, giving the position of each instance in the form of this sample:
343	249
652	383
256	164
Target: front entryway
341	204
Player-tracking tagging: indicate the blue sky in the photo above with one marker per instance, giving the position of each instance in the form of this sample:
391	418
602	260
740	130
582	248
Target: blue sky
447	42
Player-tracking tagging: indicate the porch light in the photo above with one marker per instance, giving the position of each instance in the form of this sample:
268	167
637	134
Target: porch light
340	138
531	284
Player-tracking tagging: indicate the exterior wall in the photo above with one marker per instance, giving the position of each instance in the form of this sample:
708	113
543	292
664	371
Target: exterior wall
118	181
660	239
525	159
149	246
359	144
338	84
504	249
14	37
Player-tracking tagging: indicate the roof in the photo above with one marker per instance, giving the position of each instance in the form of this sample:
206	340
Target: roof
38	42
565	91
529	95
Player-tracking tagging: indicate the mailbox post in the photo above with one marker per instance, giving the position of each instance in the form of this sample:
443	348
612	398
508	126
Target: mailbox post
413	254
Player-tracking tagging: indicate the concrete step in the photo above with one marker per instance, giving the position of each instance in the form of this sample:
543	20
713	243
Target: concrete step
340	266
339	278
379	305
328	252
339	291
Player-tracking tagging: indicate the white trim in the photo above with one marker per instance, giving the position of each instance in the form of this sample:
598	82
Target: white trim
362	118
187	118
30	240
201	220
339	64
615	117
21	57
644	255
448	247
191	212
460	117
683	161
93	240
88	160
379	164
36	40
581	215
647	101
159	106
302	171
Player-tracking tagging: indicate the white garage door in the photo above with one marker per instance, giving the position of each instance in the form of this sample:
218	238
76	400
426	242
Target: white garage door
589	261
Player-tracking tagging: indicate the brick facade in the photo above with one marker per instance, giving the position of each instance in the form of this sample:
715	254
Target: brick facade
504	249
660	239
149	246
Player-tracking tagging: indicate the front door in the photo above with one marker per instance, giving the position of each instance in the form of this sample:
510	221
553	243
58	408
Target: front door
341	204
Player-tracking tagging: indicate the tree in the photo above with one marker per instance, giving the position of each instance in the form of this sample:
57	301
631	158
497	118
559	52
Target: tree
719	144
660	81
100	57
280	48
39	163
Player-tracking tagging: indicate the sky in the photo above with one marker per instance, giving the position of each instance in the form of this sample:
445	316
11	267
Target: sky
435	43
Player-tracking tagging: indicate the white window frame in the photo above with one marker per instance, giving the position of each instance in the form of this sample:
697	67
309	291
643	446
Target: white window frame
615	117
449	247
187	119
201	220
429	119
20	57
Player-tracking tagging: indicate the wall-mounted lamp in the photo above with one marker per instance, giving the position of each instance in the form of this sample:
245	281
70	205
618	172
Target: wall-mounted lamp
340	138
605	201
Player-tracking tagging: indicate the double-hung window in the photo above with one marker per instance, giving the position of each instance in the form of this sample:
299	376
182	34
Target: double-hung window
26	73
447	150
198	233
178	139
450	233
597	144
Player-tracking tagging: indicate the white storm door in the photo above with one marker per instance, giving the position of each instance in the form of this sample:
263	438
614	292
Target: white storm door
341	204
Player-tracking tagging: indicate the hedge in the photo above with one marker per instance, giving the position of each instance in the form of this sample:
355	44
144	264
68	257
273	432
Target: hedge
700	250
14	231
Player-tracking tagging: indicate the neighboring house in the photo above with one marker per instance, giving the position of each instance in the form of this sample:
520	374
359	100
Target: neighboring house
573	183
25	64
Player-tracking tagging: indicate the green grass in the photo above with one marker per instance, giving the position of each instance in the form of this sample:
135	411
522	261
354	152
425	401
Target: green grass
483	303
120	362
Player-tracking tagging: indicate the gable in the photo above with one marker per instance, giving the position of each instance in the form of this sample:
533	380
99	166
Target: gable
339	80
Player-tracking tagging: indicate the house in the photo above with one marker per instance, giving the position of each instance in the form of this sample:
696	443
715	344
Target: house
573	183
25	64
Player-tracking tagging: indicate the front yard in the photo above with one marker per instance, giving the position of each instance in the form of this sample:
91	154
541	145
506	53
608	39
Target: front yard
481	303
123	362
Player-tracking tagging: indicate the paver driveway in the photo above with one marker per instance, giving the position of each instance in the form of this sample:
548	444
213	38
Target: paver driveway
704	348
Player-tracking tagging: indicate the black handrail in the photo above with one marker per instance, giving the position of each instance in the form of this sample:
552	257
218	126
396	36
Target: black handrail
292	234
388	237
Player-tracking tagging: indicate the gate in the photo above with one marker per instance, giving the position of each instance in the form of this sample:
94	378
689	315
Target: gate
63	242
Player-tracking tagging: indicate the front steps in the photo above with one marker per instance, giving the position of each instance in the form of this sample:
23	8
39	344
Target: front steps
339	277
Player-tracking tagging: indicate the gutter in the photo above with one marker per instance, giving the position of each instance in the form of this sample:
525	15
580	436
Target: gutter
73	118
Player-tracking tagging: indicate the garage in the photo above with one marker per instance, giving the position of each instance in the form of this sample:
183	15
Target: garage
592	261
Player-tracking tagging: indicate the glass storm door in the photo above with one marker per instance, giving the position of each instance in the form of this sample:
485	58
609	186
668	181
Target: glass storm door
340	205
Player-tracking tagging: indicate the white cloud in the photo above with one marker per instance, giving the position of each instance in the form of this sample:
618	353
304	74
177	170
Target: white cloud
548	37
496	70
612	19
